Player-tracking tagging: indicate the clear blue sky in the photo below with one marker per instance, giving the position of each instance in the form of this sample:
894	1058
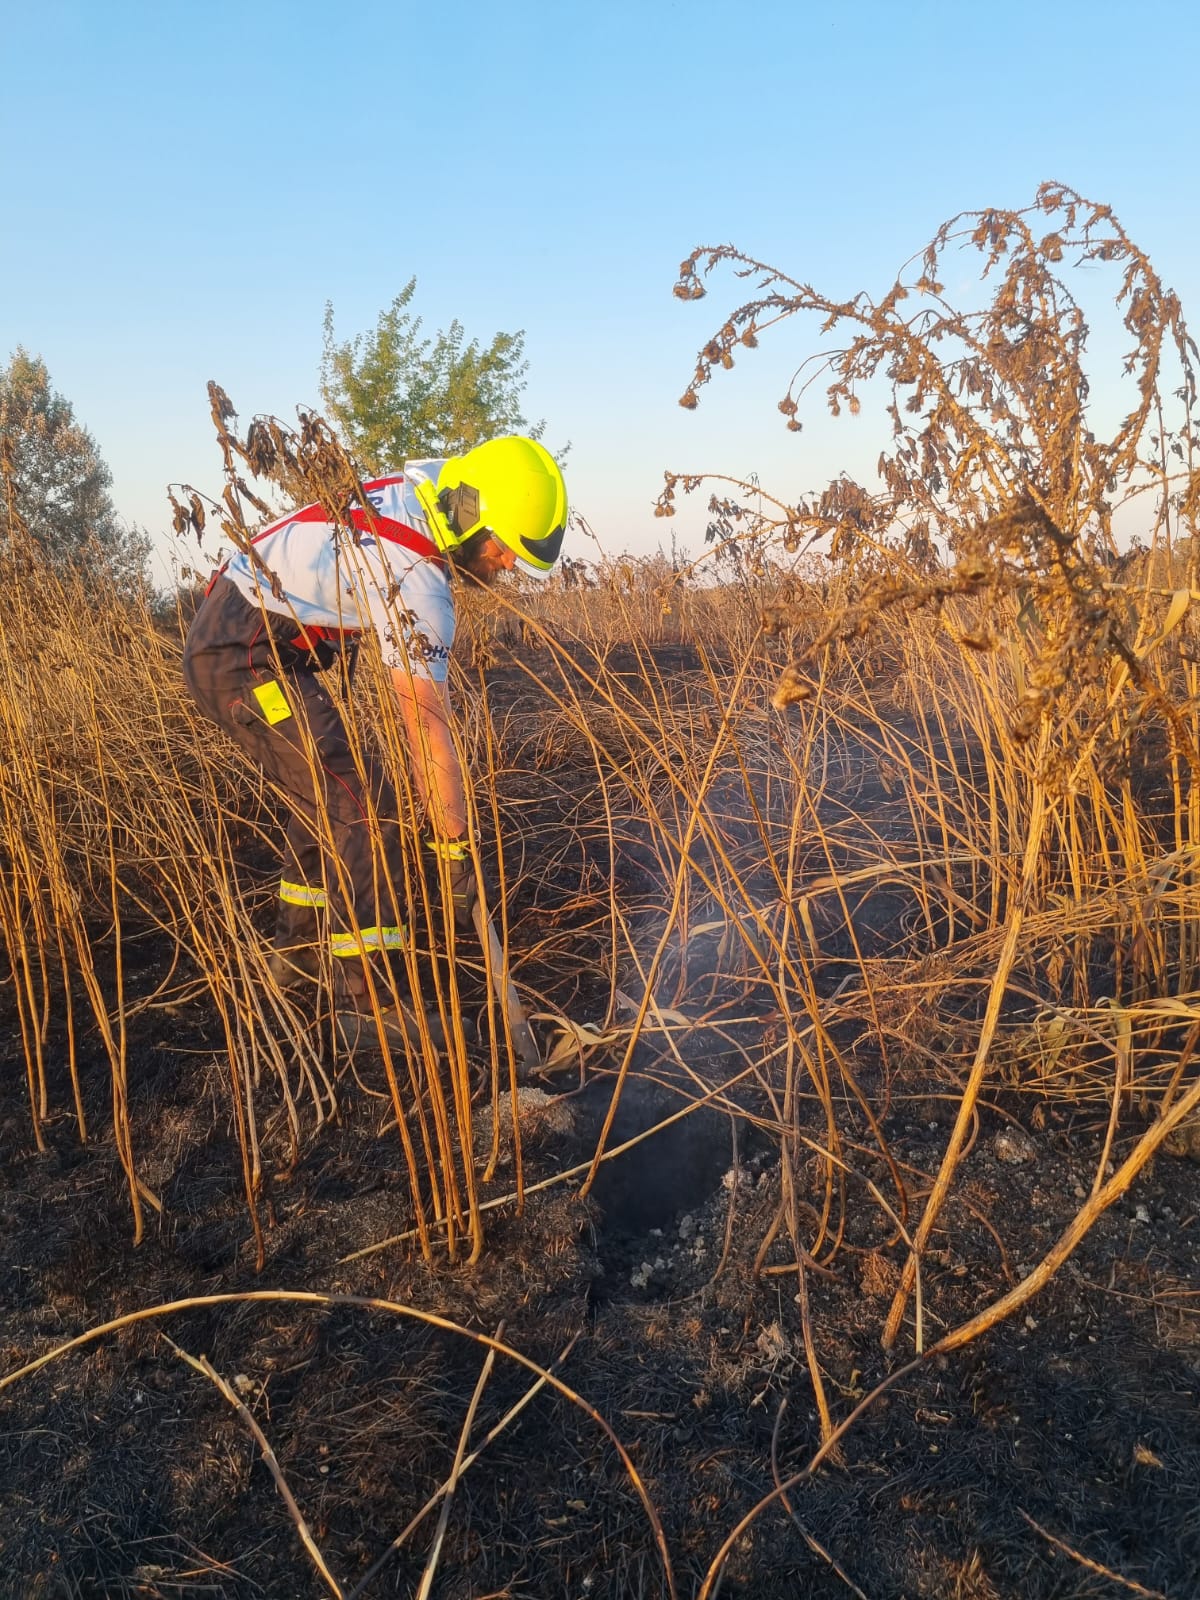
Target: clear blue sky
186	185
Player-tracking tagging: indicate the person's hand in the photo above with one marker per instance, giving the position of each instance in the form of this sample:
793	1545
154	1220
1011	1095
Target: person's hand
462	886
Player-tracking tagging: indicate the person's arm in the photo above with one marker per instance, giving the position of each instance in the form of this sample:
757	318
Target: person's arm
439	779
425	706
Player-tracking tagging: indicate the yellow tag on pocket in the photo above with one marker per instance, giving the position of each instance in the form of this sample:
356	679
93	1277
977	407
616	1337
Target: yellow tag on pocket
272	701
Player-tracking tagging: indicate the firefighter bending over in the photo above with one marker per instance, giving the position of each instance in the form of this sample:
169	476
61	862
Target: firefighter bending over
274	620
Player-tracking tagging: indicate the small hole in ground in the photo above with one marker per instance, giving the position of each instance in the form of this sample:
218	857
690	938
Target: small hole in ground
650	1187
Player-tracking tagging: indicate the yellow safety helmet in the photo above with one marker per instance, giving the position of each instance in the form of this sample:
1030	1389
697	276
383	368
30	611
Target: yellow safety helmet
511	488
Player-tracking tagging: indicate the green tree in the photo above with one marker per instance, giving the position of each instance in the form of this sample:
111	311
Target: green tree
396	396
53	483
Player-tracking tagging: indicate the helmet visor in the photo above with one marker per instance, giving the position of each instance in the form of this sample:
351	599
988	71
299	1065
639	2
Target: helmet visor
542	552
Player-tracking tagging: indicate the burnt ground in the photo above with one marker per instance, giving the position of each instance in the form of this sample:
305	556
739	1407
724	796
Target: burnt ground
1057	1457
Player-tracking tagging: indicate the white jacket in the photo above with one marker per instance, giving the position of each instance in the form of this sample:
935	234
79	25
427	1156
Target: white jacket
382	570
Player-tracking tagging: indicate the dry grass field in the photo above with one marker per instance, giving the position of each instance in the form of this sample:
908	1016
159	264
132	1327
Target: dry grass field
846	1242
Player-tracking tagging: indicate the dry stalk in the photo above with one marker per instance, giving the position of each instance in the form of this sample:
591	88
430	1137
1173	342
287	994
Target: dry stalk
1092	1566
465	1465
203	1366
426	1585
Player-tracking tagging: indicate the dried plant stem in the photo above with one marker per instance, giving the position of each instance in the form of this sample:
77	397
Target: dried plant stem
970	1096
116	1047
1092	1566
202	1365
693	824
493	1433
813	1544
1119	1085
456	1470
810	1353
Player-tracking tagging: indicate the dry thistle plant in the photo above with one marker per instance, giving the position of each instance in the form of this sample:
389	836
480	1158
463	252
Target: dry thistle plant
993	482
994	513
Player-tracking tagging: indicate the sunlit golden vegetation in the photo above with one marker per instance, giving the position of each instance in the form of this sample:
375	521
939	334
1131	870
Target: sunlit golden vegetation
895	791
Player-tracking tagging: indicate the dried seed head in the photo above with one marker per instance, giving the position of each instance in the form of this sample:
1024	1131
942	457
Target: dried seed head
793	688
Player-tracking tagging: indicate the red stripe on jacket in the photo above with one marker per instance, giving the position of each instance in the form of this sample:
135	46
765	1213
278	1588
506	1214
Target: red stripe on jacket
368	522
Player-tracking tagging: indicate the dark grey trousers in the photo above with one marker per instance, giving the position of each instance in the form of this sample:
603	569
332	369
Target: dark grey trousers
246	675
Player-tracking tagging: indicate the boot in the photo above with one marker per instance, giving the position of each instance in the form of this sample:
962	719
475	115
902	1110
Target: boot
295	966
295	958
358	1023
